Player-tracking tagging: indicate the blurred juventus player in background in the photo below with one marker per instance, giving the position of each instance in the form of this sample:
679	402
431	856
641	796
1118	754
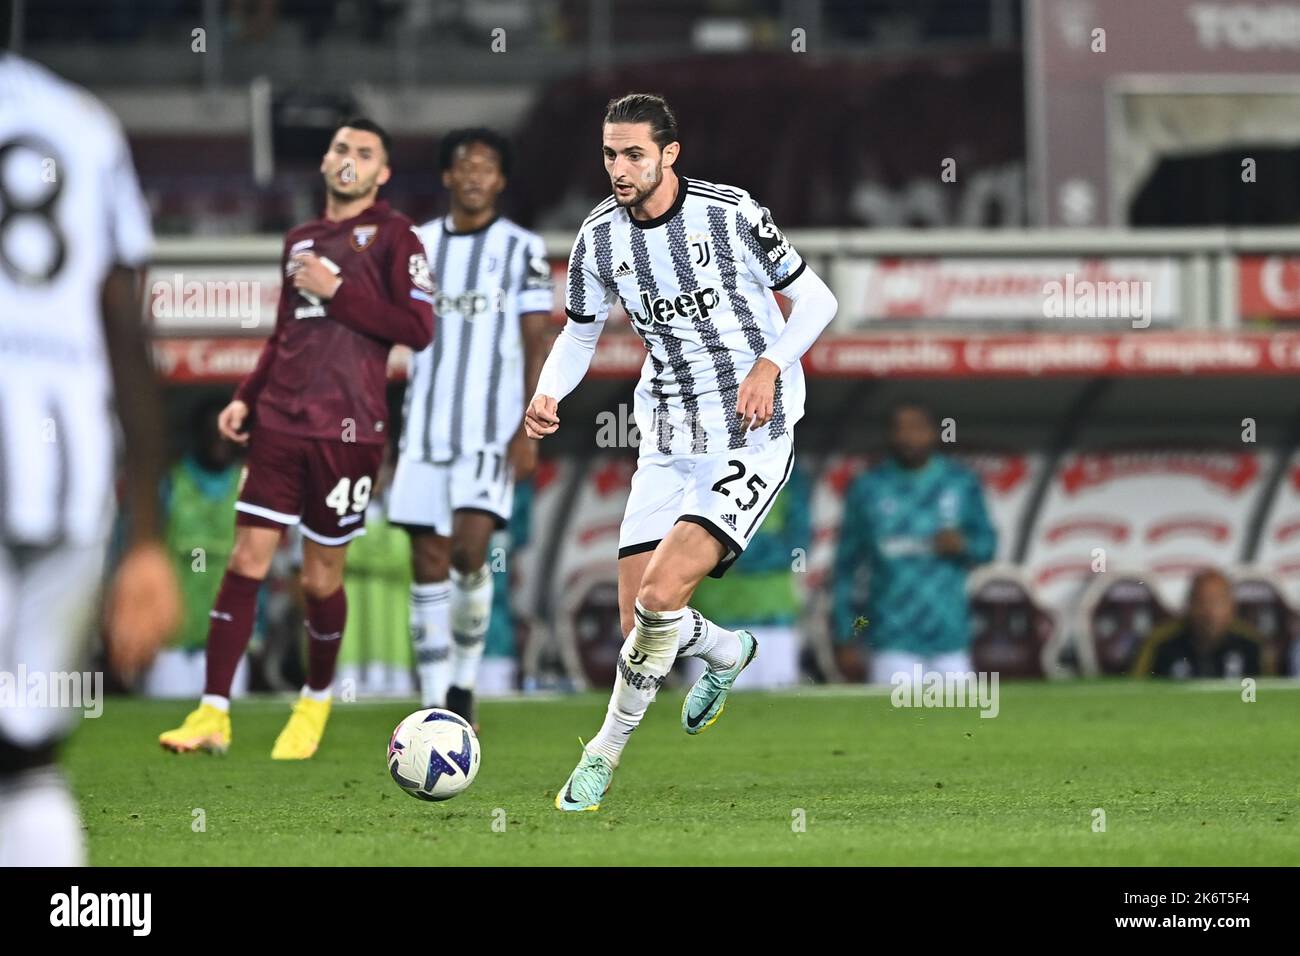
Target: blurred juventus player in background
75	234
463	444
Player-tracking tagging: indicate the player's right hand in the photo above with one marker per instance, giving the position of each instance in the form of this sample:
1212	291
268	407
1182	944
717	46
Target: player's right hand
542	417
143	608
231	422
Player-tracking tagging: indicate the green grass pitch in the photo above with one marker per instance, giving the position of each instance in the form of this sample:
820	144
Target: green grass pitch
1186	775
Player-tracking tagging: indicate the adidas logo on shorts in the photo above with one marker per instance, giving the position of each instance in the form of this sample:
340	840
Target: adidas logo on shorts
729	521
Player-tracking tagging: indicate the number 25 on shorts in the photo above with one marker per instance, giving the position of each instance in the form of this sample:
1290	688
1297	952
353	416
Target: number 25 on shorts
755	485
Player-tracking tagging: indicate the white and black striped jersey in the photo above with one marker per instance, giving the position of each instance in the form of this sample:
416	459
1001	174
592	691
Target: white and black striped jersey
71	209
466	390
696	283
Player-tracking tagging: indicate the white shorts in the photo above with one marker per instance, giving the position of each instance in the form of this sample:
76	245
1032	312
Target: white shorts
425	493
48	603
727	492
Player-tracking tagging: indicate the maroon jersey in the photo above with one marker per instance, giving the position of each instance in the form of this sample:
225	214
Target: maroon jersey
326	362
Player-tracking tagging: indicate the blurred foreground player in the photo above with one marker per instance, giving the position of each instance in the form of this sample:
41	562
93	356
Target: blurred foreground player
76	235
356	282
695	265
463	444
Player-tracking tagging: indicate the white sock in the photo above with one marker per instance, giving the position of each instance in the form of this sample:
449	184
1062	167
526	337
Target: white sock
39	824
431	639
323	694
471	610
699	637
216	700
643	663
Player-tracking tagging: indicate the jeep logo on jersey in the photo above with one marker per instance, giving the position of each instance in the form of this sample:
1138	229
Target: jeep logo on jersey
470	305
688	305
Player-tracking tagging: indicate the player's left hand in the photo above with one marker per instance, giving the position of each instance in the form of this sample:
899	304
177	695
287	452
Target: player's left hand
949	543
521	453
143	608
757	394
315	277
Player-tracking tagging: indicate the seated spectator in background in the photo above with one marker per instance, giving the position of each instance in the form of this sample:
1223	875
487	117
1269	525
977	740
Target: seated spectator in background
918	523
1207	641
198	502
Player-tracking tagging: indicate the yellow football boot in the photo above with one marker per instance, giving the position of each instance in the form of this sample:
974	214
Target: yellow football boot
301	735
206	728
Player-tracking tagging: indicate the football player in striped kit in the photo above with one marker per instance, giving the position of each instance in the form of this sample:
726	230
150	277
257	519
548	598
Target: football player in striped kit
75	240
694	265
463	445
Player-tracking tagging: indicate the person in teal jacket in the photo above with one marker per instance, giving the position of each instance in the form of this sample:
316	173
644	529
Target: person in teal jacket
917	524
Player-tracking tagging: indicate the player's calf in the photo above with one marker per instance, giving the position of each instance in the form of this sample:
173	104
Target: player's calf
471	610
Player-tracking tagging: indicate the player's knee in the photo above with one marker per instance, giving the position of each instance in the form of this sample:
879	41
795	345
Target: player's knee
319	583
657	595
252	554
468	556
430	560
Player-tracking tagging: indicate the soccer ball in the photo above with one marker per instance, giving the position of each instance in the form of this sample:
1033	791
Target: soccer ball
433	754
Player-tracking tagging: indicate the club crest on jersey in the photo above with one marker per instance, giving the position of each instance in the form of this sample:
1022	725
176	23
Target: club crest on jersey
362	236
418	267
701	250
688	305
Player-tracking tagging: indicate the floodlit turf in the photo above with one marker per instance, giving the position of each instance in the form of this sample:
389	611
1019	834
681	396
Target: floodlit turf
1185	775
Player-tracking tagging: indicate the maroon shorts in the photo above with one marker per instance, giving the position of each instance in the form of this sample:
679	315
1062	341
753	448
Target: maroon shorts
322	483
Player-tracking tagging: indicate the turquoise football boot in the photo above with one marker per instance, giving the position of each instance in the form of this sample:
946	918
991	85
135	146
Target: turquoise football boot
708	695
587	785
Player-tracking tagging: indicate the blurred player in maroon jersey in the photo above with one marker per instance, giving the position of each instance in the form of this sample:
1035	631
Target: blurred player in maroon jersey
356	283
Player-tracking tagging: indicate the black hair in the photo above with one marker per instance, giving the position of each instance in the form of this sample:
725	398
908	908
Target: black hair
645	108
490	138
911	403
370	126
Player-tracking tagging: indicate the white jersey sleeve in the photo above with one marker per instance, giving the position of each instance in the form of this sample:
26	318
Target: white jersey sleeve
770	258
587	296
536	290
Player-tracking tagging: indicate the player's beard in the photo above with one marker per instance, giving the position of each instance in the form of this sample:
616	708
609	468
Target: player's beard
640	196
349	193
